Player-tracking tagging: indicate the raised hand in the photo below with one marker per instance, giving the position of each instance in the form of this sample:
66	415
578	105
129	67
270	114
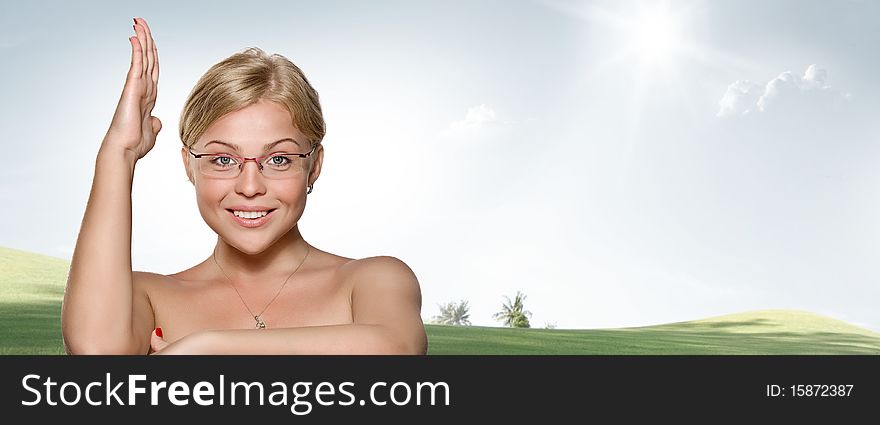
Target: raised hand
133	129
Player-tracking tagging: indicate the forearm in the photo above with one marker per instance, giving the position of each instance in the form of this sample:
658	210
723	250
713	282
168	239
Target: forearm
331	339
97	308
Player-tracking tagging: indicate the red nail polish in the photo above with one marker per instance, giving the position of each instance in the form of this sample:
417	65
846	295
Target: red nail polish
159	332
134	28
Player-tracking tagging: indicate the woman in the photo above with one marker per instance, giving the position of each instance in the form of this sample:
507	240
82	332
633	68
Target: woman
251	130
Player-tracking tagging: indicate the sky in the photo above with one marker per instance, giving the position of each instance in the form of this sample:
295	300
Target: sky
622	163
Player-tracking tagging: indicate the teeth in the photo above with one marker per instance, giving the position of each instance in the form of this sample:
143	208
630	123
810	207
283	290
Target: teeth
250	214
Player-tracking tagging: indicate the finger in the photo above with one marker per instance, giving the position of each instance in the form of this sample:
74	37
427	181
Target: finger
141	35
157	342
154	74
156	66
134	71
157	125
150	57
148	44
157	346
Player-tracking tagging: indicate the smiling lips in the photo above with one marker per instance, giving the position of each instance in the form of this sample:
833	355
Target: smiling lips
250	214
250	217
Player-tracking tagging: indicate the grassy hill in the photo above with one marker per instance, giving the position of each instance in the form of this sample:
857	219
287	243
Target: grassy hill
32	287
756	332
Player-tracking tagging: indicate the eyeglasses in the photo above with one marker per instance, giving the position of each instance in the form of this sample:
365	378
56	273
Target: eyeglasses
273	166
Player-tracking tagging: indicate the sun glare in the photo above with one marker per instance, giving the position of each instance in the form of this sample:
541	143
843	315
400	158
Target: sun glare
648	47
655	36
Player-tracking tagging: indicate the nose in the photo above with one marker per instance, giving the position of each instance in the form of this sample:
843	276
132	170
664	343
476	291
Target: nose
250	182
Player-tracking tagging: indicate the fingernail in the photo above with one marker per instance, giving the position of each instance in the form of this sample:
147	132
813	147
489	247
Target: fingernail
134	28
159	332
135	20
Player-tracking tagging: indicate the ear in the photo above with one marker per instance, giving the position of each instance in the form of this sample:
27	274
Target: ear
316	164
186	157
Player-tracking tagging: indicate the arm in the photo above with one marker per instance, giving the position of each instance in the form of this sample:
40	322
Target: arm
386	304
331	339
99	285
101	311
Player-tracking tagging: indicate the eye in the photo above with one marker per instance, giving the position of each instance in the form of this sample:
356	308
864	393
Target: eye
223	161
279	160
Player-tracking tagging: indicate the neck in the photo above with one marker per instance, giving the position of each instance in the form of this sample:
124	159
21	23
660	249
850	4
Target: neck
280	259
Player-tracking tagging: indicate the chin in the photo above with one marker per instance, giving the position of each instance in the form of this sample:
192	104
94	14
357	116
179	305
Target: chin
248	248
250	243
244	241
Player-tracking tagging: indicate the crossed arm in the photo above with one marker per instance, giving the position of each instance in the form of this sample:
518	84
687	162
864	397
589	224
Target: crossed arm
386	305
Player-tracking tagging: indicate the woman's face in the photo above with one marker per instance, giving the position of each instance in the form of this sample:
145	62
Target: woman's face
245	133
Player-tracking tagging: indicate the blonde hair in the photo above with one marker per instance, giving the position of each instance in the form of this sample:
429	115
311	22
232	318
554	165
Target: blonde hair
243	79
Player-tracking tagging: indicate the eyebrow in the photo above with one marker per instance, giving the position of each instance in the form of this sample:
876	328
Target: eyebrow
266	147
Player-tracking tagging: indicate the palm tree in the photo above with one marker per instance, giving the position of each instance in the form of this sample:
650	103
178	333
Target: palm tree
454	314
512	313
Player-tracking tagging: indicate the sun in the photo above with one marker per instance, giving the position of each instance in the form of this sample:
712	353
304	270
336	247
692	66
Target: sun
655	35
641	34
650	49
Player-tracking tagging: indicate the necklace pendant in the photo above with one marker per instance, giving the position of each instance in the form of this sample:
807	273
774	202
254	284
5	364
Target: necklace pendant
260	323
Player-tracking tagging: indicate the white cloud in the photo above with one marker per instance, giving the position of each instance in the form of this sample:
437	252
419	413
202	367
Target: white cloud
477	116
815	77
484	125
785	92
739	99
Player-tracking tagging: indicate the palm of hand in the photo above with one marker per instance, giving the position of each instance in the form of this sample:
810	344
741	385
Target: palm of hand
132	127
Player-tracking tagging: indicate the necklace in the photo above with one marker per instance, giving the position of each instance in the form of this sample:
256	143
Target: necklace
260	323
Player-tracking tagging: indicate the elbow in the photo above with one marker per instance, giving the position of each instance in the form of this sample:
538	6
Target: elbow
94	348
394	349
100	351
77	342
410	351
407	346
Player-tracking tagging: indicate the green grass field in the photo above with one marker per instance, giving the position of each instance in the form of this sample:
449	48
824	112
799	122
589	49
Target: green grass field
32	287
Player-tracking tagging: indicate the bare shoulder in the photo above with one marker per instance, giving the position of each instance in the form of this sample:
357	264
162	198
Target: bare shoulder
381	274
149	276
382	288
146	280
381	266
385	291
384	283
142	280
148	284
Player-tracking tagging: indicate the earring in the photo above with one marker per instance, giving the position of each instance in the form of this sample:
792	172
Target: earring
310	188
